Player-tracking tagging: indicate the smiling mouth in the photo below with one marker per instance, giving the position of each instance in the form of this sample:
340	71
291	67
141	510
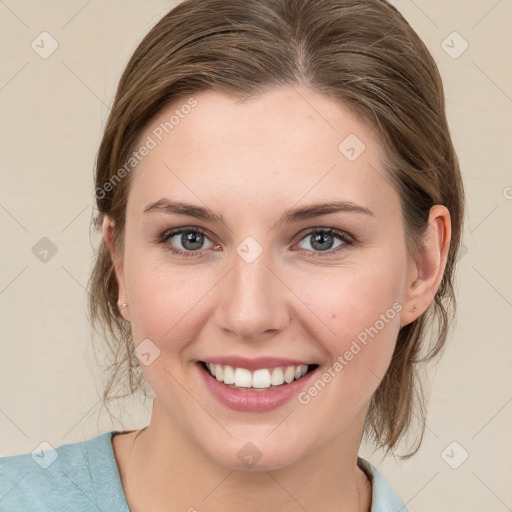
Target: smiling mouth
263	379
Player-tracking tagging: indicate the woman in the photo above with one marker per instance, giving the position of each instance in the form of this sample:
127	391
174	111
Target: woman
281	209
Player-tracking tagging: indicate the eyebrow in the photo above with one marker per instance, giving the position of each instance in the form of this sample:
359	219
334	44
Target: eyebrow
289	216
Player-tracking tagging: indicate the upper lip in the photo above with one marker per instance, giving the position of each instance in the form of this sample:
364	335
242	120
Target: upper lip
255	363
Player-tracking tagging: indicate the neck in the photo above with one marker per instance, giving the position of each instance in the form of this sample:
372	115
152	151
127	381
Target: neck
163	468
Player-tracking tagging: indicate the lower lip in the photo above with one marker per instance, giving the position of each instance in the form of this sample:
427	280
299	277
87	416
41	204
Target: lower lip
254	401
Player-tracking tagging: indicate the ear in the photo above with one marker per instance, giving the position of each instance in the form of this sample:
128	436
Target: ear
108	235
427	272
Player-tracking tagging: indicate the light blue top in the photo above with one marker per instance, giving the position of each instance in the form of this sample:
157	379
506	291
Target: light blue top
83	477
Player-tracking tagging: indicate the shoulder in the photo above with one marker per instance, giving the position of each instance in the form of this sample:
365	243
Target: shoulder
79	476
384	498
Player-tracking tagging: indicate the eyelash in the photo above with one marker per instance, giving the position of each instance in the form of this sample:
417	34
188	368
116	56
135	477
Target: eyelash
347	240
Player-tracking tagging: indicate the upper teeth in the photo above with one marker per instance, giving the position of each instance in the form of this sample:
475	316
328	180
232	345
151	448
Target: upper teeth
262	378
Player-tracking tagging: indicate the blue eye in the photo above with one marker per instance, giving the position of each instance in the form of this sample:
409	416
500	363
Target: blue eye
321	241
191	240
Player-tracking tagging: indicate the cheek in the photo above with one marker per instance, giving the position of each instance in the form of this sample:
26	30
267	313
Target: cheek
170	304
362	313
165	307
354	311
164	299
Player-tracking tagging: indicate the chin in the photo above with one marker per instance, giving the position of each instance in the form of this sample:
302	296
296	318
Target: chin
255	453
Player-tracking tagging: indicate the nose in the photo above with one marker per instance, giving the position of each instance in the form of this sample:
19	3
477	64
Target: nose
253	301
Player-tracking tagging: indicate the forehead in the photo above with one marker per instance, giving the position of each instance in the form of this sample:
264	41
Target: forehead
280	146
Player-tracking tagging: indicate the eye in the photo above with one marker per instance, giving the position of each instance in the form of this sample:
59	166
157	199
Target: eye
192	241
323	240
186	241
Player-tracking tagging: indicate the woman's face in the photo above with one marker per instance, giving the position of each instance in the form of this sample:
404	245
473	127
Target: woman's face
272	278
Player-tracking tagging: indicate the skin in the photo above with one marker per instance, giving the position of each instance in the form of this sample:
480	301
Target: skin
249	161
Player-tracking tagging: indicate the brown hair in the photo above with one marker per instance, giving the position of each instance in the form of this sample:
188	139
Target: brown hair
361	52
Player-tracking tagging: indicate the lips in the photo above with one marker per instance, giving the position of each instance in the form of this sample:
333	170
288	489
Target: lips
254	392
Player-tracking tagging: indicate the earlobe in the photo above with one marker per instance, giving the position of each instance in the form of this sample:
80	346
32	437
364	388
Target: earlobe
108	235
430	265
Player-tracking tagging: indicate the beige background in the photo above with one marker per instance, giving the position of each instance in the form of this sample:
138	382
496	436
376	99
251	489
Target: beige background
52	113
